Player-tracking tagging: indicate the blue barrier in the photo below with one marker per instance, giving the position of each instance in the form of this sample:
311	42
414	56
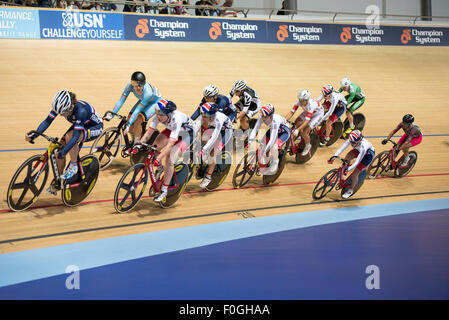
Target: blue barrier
59	24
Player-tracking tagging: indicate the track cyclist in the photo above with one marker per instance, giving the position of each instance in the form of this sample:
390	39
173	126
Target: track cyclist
143	110
248	104
224	103
218	131
337	108
274	139
411	138
363	150
87	125
354	100
171	142
310	117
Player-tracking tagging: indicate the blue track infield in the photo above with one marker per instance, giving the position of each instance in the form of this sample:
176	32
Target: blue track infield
306	255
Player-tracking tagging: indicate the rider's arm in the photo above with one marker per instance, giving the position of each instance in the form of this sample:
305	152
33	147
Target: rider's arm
150	130
359	158
123	97
351	96
77	130
307	118
342	148
273	136
196	114
45	124
253	133
292	111
394	131
331	110
214	136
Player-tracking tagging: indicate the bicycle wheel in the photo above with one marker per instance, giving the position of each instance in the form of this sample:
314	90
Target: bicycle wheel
379	164
272	178
325	184
130	188
24	187
106	146
248	167
221	170
73	193
401	171
182	173
359	122
337	130
314	141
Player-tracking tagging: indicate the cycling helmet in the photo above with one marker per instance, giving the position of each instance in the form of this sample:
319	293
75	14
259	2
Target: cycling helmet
239	85
165	107
210	91
62	102
209	109
408	119
138	78
304	95
355	137
327	90
267	110
345	82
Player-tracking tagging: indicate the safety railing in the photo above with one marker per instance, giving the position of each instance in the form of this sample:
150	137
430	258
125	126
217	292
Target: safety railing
324	16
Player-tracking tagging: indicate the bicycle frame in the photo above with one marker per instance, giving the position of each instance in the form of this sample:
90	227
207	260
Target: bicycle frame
341	169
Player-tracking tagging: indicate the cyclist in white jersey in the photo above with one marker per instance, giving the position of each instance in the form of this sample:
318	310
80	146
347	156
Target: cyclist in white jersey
274	138
171	142
218	131
336	109
363	150
311	116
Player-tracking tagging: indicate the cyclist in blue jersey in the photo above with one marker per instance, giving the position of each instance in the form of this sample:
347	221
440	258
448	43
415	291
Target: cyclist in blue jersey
143	110
224	103
86	126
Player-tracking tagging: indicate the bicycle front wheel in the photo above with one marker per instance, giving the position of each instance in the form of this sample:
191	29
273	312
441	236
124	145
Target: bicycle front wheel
106	146
27	183
379	164
130	188
245	170
325	184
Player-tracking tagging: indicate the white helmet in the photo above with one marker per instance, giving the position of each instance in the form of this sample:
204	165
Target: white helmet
304	95
62	102
239	85
210	91
345	82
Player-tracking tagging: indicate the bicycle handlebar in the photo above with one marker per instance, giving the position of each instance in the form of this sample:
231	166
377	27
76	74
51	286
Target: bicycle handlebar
114	114
394	143
51	139
342	160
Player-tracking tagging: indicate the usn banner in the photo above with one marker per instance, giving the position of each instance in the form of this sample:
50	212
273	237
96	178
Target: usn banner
58	24
80	25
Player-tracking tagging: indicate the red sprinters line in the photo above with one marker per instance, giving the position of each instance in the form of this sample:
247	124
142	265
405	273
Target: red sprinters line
229	189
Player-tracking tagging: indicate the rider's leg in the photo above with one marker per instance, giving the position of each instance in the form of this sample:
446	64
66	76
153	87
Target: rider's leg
72	169
298	123
350	119
136	129
350	113
305	133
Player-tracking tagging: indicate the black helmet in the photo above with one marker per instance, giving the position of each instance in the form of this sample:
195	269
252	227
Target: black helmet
408	119
139	77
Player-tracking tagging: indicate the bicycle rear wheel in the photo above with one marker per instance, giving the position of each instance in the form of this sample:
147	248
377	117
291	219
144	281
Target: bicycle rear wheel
24	187
270	179
106	146
130	188
401	171
379	164
337	130
73	193
181	179
245	170
325	184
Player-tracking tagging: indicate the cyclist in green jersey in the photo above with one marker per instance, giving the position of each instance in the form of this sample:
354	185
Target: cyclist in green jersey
355	99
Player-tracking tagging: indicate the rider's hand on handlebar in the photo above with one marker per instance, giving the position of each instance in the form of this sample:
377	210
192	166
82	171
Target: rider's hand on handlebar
345	172
384	141
126	130
29	137
331	160
156	163
108	117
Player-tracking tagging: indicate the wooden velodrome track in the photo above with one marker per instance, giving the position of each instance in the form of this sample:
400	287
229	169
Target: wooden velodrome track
396	80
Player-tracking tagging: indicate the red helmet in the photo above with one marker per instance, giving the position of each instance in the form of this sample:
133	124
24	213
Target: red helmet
327	90
267	110
355	137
